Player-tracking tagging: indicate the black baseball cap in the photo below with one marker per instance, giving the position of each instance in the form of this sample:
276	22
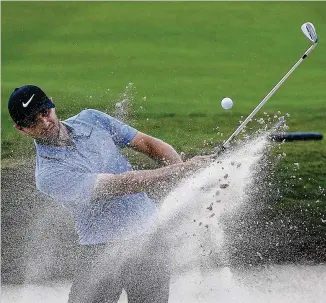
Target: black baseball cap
25	102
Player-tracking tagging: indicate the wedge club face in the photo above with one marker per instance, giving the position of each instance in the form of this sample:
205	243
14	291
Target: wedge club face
310	32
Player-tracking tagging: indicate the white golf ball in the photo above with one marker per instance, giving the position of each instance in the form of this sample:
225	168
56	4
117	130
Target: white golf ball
227	103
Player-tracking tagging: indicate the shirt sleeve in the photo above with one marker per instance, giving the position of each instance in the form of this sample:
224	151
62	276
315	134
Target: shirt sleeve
67	186
122	134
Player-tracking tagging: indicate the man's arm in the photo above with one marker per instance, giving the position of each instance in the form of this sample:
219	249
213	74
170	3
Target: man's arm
155	148
109	185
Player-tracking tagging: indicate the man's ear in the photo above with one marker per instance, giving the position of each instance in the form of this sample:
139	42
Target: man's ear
20	129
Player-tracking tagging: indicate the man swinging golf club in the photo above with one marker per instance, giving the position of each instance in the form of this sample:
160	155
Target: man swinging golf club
79	164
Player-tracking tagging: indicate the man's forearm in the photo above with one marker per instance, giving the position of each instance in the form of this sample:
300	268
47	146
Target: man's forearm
109	185
167	154
155	148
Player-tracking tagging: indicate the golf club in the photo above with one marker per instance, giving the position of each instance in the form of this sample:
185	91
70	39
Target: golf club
310	32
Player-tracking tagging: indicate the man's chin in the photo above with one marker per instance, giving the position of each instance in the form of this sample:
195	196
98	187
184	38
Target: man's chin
52	132
48	136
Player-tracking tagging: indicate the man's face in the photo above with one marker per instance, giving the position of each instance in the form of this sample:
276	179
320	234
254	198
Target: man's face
46	126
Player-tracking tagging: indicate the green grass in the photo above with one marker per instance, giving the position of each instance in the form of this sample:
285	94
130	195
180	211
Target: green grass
184	57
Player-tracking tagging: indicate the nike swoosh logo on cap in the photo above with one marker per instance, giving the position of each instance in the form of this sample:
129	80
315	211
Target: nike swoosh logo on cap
29	101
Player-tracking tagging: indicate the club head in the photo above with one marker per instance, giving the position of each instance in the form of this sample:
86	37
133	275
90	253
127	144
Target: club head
309	31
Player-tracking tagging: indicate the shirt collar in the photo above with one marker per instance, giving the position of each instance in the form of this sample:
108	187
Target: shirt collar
78	128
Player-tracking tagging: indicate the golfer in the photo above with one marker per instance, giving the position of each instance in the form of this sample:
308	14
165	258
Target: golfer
79	164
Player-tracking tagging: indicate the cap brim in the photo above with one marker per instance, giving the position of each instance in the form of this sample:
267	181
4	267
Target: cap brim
48	104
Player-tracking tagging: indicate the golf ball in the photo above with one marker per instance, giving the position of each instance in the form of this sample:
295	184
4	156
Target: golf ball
227	103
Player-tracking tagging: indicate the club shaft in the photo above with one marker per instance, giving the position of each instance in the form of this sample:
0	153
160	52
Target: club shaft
271	93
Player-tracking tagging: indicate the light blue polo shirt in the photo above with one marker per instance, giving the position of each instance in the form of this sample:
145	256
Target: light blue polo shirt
68	175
